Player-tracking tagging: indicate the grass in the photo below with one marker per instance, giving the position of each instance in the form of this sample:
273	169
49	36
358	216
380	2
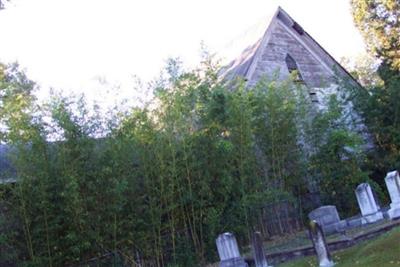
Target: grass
384	251
287	242
301	239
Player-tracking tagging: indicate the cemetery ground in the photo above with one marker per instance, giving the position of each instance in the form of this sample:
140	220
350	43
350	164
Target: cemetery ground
376	244
369	239
301	239
381	251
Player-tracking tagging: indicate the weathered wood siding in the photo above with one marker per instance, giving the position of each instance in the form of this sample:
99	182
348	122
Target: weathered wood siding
273	56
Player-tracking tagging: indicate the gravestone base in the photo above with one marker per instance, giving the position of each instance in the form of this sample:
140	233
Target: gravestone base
236	262
354	222
371	218
394	211
326	263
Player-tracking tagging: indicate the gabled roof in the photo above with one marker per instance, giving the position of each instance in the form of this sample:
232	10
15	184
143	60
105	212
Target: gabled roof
244	65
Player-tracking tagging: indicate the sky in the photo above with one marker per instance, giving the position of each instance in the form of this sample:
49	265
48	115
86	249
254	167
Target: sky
99	46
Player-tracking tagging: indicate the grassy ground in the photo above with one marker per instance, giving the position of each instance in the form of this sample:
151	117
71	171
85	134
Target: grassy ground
380	252
301	239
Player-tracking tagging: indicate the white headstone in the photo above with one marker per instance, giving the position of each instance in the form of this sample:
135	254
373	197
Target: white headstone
228	251
320	246
366	202
392	181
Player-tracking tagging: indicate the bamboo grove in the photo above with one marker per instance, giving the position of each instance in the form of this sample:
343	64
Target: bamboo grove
156	185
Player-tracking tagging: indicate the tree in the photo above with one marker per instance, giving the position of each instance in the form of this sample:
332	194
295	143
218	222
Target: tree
364	69
16	102
379	22
163	181
339	155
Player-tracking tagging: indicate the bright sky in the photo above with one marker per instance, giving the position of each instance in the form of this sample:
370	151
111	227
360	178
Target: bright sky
69	44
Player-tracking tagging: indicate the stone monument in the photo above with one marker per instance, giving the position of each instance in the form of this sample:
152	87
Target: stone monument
328	218
392	181
228	251
321	247
370	211
258	251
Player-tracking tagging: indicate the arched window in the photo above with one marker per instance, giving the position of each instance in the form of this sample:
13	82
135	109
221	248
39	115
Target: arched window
293	70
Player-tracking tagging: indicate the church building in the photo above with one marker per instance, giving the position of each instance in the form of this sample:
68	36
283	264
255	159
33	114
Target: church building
287	48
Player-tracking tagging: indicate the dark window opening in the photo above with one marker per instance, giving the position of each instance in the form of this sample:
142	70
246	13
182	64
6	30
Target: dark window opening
293	70
313	96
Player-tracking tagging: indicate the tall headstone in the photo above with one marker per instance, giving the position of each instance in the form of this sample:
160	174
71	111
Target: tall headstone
328	218
321	247
392	181
228	251
370	211
258	251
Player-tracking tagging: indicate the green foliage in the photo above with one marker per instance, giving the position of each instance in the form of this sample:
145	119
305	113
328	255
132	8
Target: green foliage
364	70
16	104
381	111
164	181
379	22
339	157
